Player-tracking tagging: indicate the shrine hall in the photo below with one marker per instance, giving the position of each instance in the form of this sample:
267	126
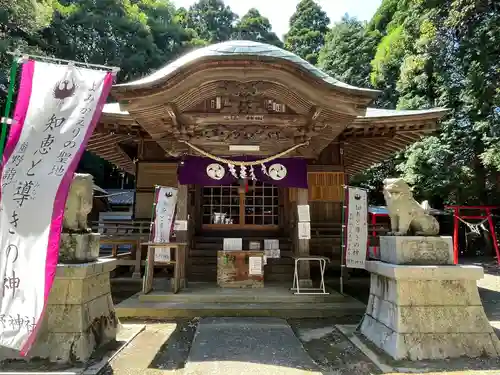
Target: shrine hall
247	132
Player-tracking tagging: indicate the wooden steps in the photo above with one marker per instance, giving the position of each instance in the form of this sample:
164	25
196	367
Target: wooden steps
202	265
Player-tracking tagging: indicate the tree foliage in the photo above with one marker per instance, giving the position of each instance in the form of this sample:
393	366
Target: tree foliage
348	51
254	26
308	28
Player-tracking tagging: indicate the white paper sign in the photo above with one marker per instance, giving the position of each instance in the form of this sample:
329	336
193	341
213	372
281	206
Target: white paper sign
275	253
162	254
233	244
180	225
56	112
357	228
303	212
304	229
166	200
255	265
254	245
271	244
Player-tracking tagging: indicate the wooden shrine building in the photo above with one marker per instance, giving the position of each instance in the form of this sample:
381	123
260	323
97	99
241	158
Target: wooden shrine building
247	101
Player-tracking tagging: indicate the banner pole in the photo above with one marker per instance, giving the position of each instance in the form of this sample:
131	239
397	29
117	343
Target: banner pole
8	104
153	209
343	244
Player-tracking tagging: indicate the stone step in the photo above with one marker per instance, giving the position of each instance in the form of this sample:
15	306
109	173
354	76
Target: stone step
133	308
229	295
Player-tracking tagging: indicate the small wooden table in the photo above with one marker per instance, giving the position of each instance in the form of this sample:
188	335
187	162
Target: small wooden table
147	284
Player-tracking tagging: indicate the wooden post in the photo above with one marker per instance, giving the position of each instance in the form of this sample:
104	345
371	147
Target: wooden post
181	235
303	245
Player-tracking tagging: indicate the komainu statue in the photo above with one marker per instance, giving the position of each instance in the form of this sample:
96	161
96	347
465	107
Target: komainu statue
406	214
79	203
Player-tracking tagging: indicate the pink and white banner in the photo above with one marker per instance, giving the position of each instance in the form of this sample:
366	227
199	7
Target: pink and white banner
165	202
57	109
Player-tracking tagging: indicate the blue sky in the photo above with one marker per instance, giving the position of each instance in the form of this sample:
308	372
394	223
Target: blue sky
279	11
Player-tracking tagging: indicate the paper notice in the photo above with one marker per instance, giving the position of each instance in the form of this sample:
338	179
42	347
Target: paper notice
233	244
162	254
180	225
271	244
303	212
255	265
304	231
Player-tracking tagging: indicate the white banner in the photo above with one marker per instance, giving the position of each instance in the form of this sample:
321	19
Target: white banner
166	200
56	111
357	228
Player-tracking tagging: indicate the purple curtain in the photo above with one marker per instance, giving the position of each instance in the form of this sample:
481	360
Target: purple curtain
283	172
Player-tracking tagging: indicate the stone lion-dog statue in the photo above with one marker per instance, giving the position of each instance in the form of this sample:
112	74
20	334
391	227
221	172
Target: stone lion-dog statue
79	202
406	214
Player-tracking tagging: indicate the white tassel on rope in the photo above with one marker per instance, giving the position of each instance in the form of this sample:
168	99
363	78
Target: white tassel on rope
243	172
252	174
264	170
232	169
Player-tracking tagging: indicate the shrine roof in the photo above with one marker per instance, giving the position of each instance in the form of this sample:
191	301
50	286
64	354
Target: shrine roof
238	49
371	113
379	112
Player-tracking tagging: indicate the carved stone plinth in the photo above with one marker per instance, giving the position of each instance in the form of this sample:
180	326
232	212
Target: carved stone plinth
78	248
80	315
413	250
427	312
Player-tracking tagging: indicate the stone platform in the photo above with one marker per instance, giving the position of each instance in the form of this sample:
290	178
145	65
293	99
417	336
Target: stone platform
416	250
79	316
209	300
427	312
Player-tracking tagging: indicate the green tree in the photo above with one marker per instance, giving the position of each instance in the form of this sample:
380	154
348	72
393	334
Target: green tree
138	37
347	52
254	26
212	20
20	23
308	28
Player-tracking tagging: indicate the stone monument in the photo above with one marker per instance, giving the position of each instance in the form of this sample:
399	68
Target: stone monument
80	315
421	305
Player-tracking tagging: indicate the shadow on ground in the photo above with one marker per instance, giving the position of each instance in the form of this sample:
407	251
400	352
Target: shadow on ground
174	353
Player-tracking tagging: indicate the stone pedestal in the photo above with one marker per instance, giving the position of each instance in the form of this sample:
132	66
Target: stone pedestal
416	250
427	312
80	315
79	248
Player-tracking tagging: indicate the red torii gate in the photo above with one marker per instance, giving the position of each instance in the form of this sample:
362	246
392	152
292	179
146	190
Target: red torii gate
456	222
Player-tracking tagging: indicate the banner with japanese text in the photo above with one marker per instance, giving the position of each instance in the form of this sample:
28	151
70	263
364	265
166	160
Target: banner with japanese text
165	203
56	112
356	228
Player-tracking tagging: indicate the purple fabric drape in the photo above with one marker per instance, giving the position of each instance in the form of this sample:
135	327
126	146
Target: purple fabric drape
283	172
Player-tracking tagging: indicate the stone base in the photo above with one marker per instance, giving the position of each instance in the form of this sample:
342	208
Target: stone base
79	248
427	312
416	250
80	315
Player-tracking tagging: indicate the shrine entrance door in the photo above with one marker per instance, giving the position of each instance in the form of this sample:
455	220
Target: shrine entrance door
230	207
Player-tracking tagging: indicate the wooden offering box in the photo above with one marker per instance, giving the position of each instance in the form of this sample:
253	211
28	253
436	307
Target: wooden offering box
240	269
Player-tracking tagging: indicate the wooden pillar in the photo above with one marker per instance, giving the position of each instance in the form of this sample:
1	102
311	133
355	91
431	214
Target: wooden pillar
303	245
182	235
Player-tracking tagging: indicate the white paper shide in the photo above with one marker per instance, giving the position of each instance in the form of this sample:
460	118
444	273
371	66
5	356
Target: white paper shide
356	228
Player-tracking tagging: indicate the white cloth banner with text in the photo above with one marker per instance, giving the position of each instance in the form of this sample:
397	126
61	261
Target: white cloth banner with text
357	228
166	200
56	112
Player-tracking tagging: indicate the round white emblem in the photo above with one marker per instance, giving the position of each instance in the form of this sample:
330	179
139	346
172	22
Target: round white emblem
277	171
216	171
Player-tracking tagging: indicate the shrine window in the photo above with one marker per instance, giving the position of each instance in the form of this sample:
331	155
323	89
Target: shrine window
231	206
